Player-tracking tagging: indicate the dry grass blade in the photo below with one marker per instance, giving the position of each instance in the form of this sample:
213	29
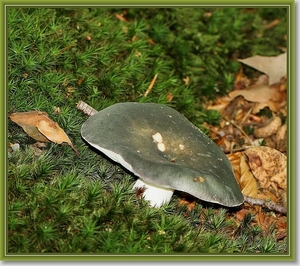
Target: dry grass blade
150	86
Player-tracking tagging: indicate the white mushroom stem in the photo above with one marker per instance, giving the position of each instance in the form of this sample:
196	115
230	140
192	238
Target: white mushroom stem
157	195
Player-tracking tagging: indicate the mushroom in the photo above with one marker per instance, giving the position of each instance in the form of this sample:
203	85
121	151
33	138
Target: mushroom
165	151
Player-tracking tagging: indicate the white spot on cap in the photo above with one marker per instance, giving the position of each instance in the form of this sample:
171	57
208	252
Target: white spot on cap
157	137
181	146
161	146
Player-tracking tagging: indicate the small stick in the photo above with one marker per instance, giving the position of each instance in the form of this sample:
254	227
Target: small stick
268	204
150	86
85	108
247	115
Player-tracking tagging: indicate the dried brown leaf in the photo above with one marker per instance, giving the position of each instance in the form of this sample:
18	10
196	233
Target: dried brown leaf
39	126
274	66
259	94
268	166
28	120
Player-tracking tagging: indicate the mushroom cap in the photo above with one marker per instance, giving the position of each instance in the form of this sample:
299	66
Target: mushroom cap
162	147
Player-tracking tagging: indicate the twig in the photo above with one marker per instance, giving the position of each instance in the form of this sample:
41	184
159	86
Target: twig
150	86
267	204
247	115
240	129
235	150
85	108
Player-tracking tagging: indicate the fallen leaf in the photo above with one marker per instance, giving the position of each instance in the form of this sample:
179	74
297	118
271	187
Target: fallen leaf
274	66
40	127
28	120
262	95
259	94
268	166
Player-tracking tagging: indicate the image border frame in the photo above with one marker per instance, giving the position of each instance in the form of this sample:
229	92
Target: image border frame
291	152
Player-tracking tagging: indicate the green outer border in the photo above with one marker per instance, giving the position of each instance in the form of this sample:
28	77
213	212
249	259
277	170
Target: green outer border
149	2
161	257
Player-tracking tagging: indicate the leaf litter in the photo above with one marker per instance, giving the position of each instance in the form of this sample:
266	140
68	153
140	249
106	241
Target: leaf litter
40	127
254	114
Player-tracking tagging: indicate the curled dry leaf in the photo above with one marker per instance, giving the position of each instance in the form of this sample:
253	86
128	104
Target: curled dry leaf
248	183
235	159
270	128
39	126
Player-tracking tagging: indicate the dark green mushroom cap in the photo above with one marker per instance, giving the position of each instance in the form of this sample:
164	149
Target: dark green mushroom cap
162	147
